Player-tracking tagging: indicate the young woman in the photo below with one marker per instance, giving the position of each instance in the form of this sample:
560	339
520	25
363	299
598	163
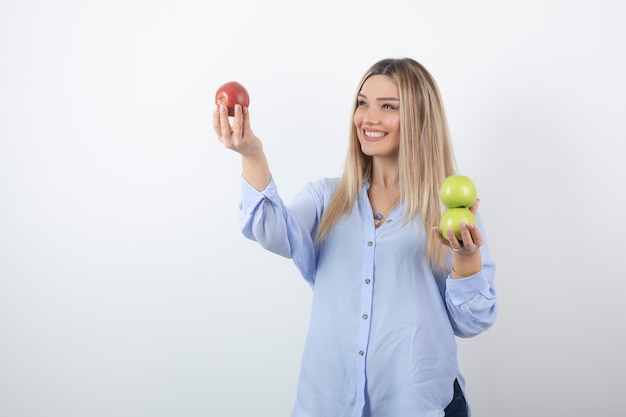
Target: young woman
390	294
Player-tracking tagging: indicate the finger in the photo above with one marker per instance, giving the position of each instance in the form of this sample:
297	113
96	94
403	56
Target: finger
453	241
440	237
476	236
238	123
466	236
225	128
216	121
246	120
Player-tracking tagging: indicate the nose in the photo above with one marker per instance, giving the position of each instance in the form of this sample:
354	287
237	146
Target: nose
369	117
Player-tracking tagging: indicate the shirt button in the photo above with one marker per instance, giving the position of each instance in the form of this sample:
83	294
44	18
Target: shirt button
361	353
364	316
367	280
370	243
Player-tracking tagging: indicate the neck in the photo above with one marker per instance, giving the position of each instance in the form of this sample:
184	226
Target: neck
385	173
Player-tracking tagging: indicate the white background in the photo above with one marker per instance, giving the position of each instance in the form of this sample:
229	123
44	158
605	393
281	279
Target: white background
126	288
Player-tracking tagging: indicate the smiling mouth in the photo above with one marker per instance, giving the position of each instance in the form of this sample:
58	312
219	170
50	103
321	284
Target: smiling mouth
373	135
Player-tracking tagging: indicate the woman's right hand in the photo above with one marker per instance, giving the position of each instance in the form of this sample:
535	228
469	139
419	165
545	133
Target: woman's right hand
238	137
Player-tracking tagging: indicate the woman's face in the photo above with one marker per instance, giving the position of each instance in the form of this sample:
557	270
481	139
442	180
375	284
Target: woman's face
377	117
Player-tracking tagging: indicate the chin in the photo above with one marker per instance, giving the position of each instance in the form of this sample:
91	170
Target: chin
372	150
367	149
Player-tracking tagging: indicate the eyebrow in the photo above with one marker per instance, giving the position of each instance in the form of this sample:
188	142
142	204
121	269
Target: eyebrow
381	98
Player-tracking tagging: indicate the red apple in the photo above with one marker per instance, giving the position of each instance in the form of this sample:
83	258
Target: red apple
457	191
452	219
230	94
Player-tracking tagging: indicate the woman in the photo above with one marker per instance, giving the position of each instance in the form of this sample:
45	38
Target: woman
389	292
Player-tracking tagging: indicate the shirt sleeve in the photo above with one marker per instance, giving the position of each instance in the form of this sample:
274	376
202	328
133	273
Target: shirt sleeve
472	301
285	230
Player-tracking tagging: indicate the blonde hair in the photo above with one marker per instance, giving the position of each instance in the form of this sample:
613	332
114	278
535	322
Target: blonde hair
426	157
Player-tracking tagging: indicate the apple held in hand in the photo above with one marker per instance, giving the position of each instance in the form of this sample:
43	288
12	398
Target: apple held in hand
452	219
230	94
457	191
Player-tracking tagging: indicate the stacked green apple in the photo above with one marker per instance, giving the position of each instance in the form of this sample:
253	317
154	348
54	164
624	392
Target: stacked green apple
458	194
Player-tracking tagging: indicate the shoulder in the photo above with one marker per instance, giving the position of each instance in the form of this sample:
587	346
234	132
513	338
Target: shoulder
322	189
323	184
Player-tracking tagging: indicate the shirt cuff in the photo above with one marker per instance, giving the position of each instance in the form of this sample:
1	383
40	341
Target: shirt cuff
462	290
251	197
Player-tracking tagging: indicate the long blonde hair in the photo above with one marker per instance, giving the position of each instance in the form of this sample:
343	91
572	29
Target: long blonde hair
426	157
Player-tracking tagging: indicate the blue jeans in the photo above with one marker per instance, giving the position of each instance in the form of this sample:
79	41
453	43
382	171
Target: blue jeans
458	405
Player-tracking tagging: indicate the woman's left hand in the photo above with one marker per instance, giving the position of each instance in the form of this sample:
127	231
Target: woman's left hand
471	238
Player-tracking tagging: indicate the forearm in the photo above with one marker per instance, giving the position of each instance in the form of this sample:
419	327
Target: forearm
466	265
256	170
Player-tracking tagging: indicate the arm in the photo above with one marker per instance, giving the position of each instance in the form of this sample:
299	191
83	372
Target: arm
471	301
470	294
263	216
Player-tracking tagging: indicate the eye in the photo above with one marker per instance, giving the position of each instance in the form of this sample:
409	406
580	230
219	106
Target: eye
361	103
389	106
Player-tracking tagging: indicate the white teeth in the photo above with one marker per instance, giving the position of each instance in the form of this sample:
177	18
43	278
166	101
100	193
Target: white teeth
374	134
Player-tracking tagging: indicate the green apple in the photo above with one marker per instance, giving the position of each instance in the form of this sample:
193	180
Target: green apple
457	191
452	218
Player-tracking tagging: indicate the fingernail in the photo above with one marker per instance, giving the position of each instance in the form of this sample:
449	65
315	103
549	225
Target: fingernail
222	108
237	108
216	108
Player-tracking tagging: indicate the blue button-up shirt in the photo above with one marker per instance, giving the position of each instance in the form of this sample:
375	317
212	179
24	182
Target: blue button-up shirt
381	337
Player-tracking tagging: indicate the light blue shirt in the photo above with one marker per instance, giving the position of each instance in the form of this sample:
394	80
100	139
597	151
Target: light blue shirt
381	338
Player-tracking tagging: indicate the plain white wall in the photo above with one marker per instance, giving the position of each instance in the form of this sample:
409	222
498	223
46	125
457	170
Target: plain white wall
126	288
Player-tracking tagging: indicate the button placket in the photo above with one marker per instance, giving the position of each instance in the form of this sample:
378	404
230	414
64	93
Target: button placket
366	296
